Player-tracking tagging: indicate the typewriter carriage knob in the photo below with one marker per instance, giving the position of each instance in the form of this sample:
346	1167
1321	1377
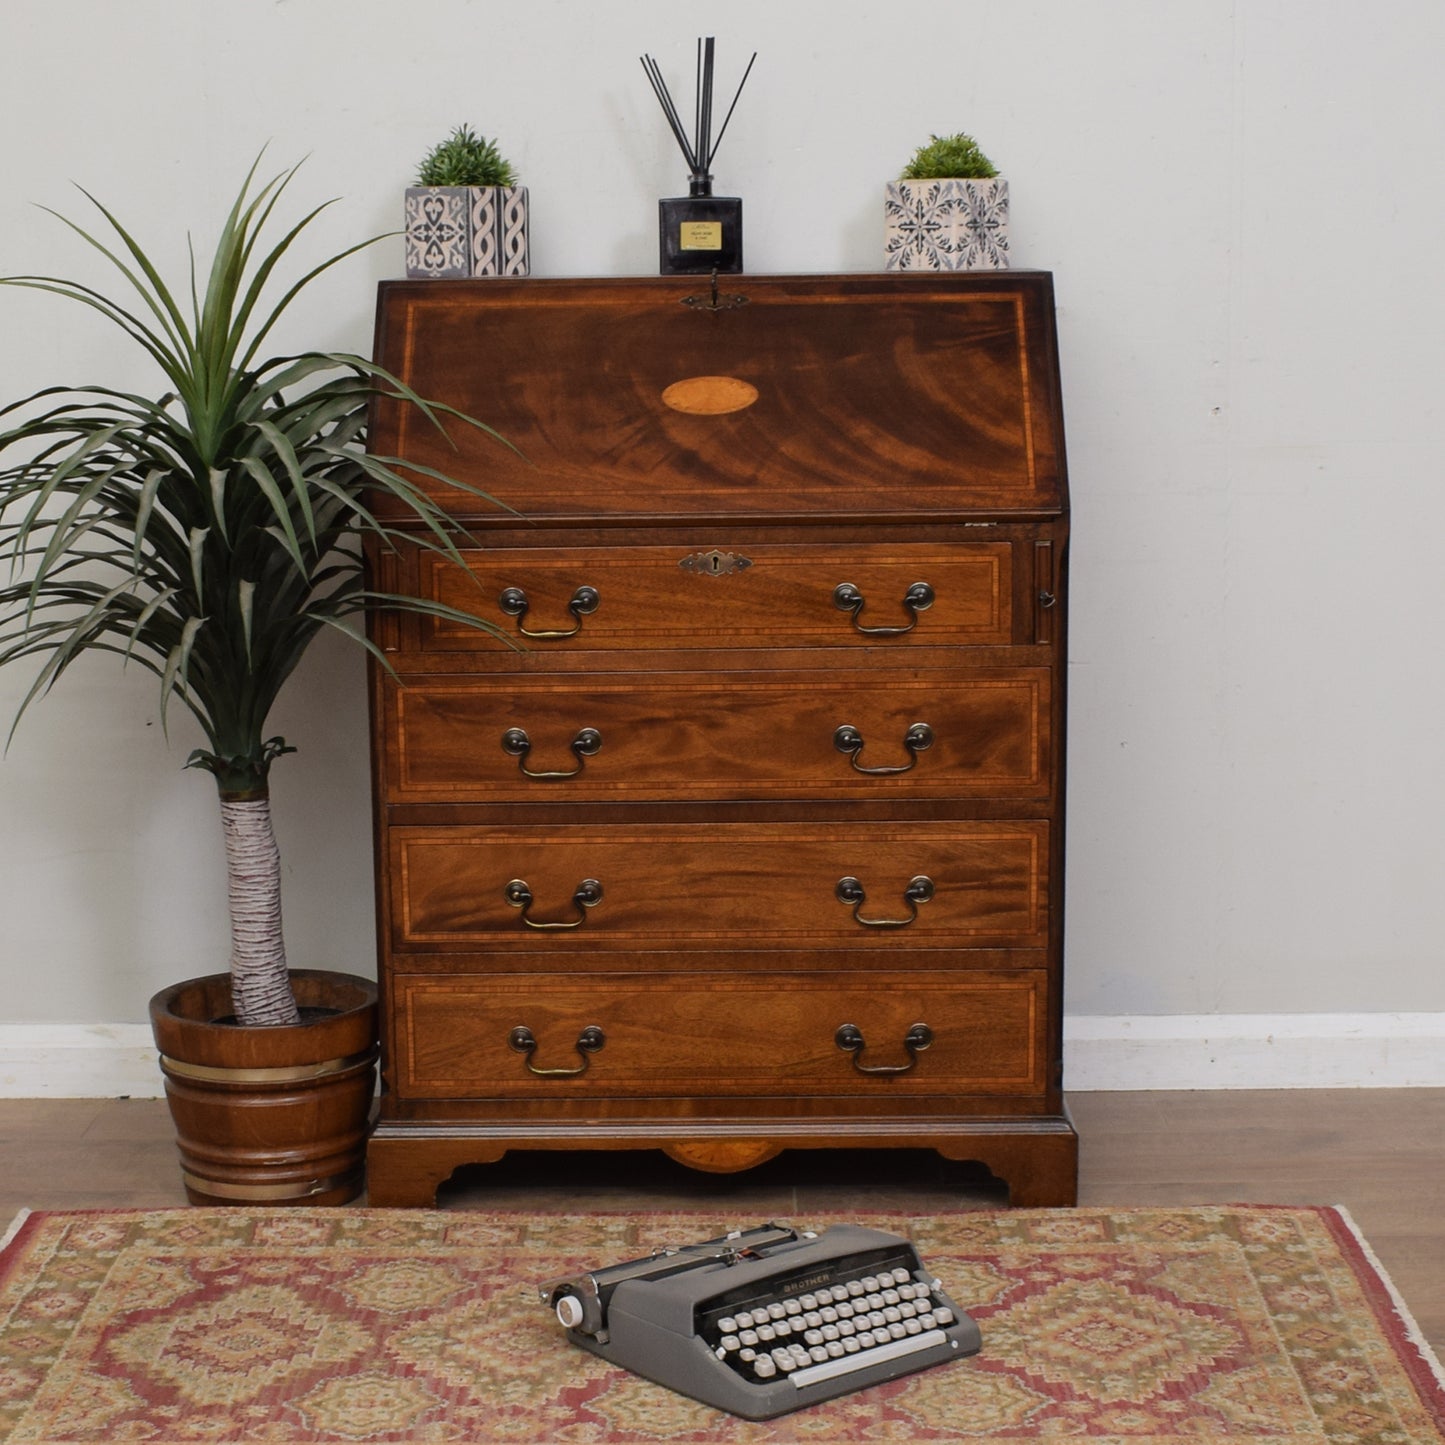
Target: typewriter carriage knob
577	1306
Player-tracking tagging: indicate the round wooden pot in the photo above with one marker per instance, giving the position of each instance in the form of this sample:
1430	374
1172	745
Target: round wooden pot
275	1115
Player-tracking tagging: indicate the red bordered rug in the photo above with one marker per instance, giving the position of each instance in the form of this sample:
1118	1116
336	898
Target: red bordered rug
1147	1325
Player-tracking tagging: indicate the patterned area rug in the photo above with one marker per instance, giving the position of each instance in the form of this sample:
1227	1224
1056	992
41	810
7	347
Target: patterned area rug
1150	1325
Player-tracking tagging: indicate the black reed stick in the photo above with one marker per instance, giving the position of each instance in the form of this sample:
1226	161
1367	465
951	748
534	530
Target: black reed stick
701	148
699	152
708	162
659	85
699	155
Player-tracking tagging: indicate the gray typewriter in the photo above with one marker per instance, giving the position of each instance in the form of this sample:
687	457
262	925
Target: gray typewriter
764	1321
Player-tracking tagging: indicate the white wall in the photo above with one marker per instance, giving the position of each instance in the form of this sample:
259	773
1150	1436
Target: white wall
1241	205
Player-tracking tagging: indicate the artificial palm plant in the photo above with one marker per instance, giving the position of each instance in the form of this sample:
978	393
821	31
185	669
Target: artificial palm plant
209	533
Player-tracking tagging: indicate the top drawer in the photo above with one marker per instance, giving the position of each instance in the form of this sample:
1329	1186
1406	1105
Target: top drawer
769	595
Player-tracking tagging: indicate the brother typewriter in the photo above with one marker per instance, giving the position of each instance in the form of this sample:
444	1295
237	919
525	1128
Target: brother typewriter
768	1320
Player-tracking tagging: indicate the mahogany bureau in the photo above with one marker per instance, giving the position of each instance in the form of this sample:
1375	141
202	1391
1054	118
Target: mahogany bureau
747	831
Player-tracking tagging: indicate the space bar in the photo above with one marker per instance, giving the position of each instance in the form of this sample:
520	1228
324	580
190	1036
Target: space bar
846	1364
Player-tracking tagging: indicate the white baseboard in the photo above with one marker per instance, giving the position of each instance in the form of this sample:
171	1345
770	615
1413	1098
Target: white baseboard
1124	1052
78	1061
1254	1051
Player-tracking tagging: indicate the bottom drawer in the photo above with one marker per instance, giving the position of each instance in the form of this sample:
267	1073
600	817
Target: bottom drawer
537	1036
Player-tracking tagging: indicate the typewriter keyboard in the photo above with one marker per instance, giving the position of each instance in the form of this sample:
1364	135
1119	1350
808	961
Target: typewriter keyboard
811	1331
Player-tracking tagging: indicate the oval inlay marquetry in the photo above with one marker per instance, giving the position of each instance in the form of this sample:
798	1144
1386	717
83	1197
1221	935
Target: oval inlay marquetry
710	395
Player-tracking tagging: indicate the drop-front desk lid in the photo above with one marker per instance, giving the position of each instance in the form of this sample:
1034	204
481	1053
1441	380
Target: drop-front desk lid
767	396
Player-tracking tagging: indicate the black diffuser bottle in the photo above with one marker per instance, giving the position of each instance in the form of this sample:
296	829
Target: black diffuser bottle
698	233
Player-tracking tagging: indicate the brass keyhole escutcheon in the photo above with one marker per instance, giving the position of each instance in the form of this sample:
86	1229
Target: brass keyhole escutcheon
715	563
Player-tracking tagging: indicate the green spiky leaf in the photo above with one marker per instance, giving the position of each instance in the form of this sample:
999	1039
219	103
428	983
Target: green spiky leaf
210	532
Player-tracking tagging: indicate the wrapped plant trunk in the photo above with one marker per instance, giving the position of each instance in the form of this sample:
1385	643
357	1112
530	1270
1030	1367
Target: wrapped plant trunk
260	979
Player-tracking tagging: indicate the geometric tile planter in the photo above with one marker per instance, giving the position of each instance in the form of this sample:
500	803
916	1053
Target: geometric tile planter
457	231
946	225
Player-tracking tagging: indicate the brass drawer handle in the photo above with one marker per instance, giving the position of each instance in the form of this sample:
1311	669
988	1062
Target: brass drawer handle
849	891
585	745
589	893
849	1038
849	741
524	1041
513	602
918	598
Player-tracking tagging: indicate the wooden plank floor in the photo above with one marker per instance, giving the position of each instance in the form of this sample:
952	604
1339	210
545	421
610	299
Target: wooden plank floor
1378	1152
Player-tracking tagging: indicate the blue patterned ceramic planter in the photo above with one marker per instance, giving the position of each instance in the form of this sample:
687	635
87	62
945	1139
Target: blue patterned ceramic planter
458	231
946	225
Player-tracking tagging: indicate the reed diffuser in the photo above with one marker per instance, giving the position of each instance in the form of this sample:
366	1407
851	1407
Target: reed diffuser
698	232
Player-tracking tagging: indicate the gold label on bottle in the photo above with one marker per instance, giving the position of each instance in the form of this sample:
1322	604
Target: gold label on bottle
700	236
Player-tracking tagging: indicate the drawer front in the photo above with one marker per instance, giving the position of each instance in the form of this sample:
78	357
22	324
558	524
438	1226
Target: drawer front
705	736
671	1035
686	886
770	595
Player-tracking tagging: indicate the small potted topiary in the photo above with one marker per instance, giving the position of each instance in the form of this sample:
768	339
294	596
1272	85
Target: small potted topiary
466	215
948	211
